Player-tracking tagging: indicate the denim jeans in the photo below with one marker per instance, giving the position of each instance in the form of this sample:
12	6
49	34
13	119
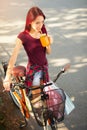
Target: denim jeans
36	79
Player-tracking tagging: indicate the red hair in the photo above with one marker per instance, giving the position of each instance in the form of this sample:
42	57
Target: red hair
32	14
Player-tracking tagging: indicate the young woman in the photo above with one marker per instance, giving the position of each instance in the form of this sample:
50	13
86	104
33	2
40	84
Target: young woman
37	66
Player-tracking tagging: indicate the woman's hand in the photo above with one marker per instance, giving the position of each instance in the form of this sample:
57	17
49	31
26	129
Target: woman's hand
50	39
6	84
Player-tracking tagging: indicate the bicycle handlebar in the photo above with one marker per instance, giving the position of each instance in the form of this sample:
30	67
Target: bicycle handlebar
66	67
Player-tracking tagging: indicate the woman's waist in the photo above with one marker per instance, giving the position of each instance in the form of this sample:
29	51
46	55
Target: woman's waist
37	66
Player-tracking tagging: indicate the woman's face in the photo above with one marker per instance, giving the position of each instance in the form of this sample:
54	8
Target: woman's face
37	23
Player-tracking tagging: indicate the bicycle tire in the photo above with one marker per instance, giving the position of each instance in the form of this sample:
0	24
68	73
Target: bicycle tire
53	127
37	120
42	123
14	99
50	127
23	123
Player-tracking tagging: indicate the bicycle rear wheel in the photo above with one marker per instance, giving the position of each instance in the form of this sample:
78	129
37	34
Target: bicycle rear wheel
14	98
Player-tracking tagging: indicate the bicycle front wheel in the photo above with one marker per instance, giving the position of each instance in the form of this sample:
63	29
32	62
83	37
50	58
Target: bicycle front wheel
50	121
50	127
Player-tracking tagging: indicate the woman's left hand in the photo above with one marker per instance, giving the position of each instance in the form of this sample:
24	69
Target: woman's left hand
50	39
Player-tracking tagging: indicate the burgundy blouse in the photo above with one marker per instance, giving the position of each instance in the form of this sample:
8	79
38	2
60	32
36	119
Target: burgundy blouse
35	52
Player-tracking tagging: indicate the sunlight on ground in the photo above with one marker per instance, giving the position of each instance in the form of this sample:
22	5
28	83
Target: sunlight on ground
79	63
73	99
77	34
62	127
9	28
59	62
8	39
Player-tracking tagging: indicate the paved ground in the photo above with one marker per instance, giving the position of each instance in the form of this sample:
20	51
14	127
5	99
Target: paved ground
67	23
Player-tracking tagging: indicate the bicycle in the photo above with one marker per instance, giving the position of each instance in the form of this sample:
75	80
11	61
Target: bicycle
45	114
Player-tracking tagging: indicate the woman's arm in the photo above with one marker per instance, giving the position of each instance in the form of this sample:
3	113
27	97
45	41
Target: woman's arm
7	80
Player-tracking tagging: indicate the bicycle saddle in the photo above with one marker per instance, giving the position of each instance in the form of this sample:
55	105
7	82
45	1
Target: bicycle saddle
19	71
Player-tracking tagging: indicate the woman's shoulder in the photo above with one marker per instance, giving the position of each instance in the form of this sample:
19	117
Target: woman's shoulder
22	35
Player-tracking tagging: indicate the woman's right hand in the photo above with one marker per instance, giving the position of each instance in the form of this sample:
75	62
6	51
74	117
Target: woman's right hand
6	84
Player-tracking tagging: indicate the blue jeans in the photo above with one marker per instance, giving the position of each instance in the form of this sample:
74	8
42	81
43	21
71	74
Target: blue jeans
36	79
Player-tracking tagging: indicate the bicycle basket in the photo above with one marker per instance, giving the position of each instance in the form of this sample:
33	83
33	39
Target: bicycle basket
56	103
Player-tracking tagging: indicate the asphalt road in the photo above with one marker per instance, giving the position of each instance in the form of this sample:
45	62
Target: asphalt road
66	21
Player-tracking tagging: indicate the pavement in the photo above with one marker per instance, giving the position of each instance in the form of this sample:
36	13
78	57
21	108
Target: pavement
66	21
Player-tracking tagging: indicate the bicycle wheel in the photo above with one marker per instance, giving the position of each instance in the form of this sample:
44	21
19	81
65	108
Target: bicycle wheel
50	126
14	98
50	120
37	115
53	126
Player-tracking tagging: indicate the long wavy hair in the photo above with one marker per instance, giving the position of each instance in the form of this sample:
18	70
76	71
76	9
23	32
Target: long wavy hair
32	14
